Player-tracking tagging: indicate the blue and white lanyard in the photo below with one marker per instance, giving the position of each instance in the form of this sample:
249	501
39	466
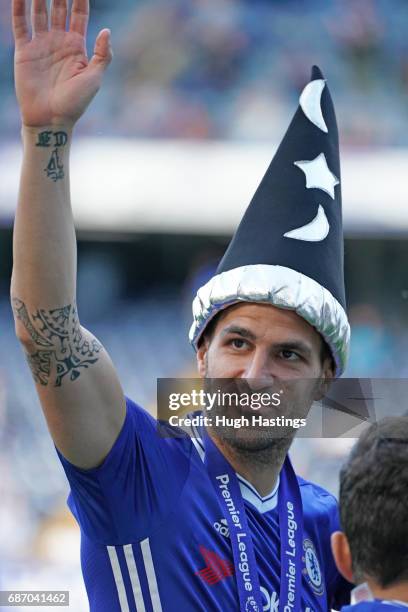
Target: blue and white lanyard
226	485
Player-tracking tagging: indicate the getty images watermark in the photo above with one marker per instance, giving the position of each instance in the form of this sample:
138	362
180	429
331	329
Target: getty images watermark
212	405
303	406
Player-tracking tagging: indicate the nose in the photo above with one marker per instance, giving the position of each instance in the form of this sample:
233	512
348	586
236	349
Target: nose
258	371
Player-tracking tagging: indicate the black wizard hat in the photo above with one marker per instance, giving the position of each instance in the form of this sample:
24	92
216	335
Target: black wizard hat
288	248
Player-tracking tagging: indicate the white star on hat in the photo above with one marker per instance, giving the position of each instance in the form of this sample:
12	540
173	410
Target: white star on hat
318	175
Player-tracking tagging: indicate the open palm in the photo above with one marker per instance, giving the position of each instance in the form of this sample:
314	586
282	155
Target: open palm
55	82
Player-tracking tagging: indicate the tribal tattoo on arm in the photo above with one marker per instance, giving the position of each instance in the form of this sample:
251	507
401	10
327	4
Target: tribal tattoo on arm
48	138
61	350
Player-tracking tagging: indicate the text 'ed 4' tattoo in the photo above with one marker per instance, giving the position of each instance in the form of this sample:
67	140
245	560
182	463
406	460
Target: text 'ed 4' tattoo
49	138
61	349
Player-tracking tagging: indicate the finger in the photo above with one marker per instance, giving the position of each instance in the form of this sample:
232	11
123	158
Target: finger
20	25
102	56
59	14
79	16
39	16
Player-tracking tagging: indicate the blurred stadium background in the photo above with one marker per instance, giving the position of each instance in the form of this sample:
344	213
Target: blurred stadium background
164	163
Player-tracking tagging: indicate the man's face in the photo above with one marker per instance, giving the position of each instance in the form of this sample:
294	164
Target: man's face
265	348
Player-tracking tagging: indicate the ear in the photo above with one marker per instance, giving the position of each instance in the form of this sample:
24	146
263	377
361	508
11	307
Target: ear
202	358
342	555
322	388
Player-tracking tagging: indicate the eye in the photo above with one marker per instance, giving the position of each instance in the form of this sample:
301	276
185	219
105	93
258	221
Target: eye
289	355
238	343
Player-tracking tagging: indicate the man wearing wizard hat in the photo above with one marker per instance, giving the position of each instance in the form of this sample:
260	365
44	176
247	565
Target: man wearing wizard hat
275	309
183	523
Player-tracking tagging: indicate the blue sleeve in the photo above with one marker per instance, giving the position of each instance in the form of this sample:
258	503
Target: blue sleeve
372	606
137	485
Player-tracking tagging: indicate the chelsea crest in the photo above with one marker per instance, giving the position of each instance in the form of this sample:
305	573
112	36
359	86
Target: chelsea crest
312	570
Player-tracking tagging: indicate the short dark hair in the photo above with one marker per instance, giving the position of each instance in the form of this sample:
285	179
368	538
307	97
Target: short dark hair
325	351
374	502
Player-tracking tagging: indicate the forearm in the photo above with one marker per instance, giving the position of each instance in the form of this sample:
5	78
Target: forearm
55	82
44	242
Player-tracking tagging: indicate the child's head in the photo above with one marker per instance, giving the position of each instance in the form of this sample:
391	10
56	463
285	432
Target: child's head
374	507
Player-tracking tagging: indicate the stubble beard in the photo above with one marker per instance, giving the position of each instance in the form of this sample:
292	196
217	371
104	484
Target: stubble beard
259	445
256	444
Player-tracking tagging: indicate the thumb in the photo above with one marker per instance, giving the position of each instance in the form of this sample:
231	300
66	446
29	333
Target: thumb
102	51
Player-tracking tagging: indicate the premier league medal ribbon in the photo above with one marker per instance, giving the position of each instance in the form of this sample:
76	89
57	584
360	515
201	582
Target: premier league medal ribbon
226	484
227	488
291	537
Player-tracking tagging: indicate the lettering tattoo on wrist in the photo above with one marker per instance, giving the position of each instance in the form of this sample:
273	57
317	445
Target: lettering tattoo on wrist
49	138
55	139
60	349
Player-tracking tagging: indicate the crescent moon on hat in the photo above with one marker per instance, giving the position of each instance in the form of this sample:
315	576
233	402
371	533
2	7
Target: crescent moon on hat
315	231
310	102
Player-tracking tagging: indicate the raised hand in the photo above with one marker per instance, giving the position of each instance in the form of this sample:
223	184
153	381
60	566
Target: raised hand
55	81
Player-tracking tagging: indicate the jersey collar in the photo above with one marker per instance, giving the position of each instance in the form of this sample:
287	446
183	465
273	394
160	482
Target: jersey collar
248	491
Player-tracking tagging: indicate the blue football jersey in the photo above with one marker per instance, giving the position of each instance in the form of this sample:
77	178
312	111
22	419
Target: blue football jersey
376	606
153	535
